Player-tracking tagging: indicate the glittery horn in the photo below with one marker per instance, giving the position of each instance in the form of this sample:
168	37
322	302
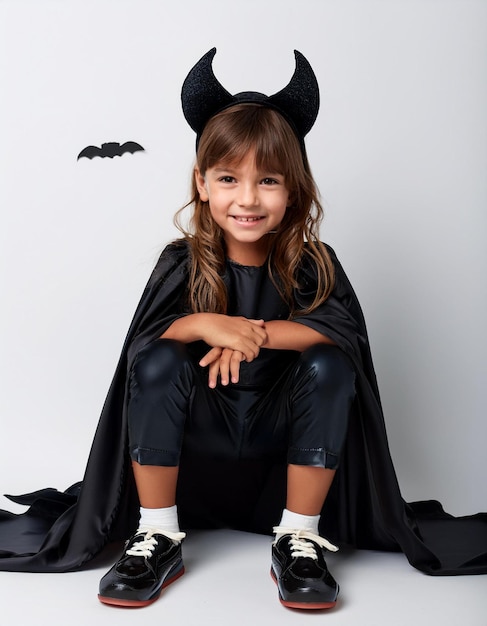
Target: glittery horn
203	96
300	99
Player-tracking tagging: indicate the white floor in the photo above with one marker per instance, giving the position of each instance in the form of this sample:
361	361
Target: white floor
227	581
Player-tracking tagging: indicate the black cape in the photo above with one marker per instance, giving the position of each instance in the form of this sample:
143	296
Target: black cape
62	531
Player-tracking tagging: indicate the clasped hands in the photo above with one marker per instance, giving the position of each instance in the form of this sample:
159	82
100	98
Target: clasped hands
233	340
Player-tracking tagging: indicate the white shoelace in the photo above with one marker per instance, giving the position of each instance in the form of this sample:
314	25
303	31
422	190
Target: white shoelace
299	544
145	547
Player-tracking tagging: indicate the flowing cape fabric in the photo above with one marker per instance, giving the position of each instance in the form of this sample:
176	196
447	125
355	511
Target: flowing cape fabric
62	531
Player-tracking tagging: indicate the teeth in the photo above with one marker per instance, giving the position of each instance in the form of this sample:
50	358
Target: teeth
247	219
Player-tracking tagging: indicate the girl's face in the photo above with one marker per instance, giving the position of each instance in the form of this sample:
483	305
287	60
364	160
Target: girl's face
246	203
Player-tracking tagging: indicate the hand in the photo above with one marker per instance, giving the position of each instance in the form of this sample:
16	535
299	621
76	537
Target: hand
235	333
224	362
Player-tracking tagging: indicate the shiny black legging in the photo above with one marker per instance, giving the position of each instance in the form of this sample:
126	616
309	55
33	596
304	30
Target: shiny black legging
300	414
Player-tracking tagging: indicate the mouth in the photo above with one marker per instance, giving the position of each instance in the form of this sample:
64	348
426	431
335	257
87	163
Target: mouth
245	220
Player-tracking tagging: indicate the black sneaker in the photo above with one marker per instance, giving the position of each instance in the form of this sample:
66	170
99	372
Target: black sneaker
300	571
151	561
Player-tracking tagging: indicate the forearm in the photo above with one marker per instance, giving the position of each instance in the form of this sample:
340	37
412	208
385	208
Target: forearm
286	335
187	328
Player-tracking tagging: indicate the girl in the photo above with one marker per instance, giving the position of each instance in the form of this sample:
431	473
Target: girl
245	394
241	375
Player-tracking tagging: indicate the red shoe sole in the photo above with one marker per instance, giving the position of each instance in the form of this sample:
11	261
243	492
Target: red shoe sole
136	604
302	605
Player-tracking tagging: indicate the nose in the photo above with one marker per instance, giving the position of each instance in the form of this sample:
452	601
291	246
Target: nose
247	195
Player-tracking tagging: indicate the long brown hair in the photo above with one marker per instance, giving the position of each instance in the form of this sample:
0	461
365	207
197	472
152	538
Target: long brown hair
227	138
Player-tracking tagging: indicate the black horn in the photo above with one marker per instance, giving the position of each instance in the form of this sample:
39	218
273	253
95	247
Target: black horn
300	99
202	95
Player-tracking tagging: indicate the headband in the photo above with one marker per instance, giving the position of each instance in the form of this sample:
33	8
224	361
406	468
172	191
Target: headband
203	96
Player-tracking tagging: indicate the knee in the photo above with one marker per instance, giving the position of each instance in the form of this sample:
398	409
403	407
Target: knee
330	367
159	361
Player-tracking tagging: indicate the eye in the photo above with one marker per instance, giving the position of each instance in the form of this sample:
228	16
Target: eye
269	181
226	179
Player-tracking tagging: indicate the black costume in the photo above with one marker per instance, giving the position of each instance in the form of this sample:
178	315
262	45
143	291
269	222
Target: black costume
274	412
61	531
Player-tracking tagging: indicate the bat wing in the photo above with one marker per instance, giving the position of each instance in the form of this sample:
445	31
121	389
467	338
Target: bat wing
130	146
89	152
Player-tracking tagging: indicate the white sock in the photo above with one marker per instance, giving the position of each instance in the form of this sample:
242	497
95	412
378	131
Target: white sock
162	519
296	521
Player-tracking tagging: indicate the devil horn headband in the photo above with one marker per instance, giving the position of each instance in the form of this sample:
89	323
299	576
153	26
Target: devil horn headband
203	96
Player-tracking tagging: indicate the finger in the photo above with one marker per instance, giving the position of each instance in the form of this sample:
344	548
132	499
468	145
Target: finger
260	338
225	366
258	329
249	349
213	371
237	358
211	356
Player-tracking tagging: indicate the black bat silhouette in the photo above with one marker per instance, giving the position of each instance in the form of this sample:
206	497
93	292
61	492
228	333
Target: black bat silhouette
110	149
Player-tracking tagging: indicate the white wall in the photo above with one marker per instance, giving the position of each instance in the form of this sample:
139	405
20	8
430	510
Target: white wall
399	152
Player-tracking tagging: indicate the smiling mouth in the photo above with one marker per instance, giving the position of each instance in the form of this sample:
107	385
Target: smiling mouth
247	219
